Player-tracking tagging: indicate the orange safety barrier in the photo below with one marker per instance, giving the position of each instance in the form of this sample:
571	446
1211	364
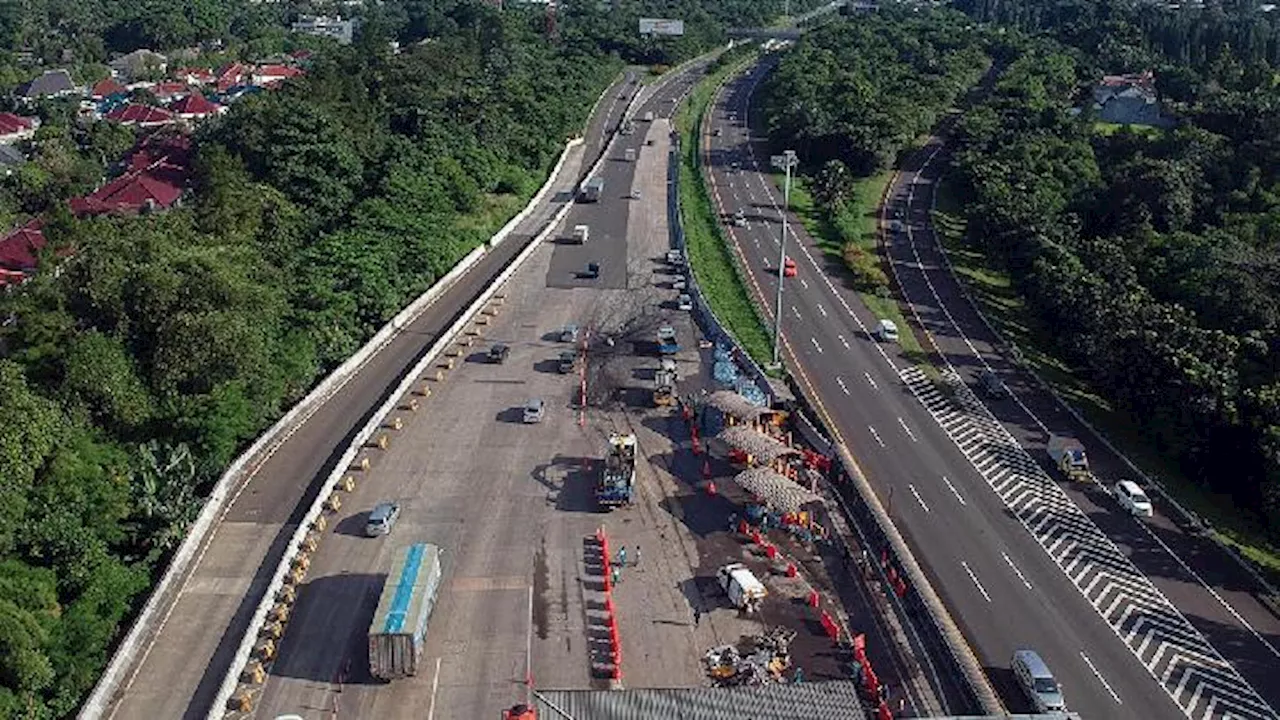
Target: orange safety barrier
813	598
770	551
791	570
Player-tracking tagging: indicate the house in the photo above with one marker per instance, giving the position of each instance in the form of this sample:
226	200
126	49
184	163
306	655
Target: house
169	91
196	107
20	252
15	127
269	75
195	76
11	158
129	194
1129	100
139	64
140	115
53	83
334	27
229	76
104	89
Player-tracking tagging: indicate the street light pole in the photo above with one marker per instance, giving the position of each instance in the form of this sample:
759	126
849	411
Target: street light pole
786	160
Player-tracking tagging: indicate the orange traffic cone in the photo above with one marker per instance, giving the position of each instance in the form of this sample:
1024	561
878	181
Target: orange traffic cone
711	488
706	469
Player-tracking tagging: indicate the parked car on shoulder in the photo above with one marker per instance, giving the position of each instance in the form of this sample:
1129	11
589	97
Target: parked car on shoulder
887	331
534	410
498	353
569	333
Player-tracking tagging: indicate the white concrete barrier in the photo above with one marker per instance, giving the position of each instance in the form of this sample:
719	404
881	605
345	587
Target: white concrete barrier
247	464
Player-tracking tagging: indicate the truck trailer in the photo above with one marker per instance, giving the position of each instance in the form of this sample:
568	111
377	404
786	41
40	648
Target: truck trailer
399	626
1069	457
618	476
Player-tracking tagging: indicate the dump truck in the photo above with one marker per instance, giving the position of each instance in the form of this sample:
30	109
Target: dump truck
619	473
742	587
593	189
667	344
664	386
399	626
1069	457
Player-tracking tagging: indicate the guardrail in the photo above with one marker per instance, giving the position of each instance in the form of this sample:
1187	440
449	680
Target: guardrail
295	556
925	596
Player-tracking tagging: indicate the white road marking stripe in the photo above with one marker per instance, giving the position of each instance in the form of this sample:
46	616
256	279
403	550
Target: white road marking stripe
796	313
435	683
867	375
907	430
953	490
875	435
840	382
815	343
1101	679
974	578
821	310
1015	569
918	498
845	343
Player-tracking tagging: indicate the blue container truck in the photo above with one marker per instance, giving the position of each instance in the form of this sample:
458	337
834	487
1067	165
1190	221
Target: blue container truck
399	626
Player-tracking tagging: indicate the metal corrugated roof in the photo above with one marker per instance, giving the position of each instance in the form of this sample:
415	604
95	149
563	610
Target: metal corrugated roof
765	449
836	700
777	490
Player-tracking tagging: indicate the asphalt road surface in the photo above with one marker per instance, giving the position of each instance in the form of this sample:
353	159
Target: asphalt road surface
184	662
1018	562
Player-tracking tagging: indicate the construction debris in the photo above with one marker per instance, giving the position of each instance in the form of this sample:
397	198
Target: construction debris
763	660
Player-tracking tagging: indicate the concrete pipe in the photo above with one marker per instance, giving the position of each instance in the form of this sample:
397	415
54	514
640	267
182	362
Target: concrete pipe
334	502
364	463
396	423
411	405
320	523
348	483
439	376
424	390
383	441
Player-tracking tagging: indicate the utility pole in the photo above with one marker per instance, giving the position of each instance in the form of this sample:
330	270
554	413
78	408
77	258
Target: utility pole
786	160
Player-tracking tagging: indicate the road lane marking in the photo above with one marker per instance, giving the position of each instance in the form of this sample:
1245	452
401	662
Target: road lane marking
804	284
875	435
822	311
1101	679
796	313
867	375
845	343
435	683
953	490
974	578
840	382
919	499
907	430
815	343
1015	569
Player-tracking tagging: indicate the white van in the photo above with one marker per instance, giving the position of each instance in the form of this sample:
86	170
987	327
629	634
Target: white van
1037	682
742	587
581	233
887	331
1131	498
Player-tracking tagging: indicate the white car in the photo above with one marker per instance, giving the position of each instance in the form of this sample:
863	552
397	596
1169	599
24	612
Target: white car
684	302
1131	498
887	331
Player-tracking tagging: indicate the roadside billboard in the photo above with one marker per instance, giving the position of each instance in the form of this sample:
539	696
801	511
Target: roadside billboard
658	26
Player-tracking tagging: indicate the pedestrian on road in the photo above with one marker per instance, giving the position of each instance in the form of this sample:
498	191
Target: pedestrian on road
617	574
622	555
637	562
697	616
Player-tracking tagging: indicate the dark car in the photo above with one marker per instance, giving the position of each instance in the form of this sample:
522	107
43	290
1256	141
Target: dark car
592	272
498	353
992	385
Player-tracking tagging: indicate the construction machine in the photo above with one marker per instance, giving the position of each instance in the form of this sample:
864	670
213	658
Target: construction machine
1069	457
617	478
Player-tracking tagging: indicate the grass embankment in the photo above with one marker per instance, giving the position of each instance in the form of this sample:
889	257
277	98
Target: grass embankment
712	261
851	237
1004	308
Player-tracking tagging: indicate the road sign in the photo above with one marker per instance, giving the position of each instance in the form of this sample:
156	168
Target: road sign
659	26
782	161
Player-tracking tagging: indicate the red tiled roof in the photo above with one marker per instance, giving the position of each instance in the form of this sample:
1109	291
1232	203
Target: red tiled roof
19	250
142	114
195	104
107	87
166	90
200	75
277	71
10	123
11	277
128	193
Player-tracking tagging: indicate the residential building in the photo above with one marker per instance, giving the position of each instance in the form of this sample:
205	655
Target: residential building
270	75
195	76
169	90
20	252
196	107
139	64
144	116
52	83
107	88
229	76
11	158
334	27
15	127
1129	100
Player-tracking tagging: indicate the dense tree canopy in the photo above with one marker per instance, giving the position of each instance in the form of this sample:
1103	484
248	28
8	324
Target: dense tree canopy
131	377
1153	250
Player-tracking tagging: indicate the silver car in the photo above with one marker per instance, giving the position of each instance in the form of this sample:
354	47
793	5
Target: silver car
381	519
534	410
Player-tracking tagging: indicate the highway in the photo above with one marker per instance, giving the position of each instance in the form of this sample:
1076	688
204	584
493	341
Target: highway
995	533
509	502
185	659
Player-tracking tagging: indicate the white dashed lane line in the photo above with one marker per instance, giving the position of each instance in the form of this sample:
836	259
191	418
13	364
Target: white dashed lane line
974	578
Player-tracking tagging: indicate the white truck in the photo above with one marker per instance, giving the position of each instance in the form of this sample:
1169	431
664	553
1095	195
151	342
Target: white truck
629	154
581	233
742	587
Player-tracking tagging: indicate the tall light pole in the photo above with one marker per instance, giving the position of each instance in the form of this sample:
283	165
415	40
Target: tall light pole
786	160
